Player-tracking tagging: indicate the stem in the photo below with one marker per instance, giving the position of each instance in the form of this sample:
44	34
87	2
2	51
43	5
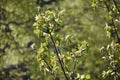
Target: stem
47	64
75	63
62	60
118	38
57	53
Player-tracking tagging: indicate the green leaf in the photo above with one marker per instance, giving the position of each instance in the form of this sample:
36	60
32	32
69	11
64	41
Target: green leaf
37	32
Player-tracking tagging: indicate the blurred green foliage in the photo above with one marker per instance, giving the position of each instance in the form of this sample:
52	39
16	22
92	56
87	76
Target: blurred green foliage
82	20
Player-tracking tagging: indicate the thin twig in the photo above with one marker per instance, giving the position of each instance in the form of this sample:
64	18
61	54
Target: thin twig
75	63
62	60
118	38
49	66
57	53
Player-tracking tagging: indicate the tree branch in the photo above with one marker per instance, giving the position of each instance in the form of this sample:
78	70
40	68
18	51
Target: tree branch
57	53
118	38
